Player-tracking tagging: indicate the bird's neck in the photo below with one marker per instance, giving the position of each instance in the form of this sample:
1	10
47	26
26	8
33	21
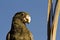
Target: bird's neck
18	26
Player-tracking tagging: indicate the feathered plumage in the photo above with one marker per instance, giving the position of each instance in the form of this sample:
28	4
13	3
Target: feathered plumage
19	31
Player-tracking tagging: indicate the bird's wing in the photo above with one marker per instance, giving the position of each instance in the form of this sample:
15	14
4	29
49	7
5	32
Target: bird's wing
8	36
31	36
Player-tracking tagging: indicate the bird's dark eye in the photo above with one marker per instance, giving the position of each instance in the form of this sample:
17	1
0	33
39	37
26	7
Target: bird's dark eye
22	14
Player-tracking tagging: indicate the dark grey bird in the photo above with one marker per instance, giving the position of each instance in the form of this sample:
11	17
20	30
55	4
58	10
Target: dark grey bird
19	31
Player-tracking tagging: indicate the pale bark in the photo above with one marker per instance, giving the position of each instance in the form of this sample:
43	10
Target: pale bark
55	21
49	8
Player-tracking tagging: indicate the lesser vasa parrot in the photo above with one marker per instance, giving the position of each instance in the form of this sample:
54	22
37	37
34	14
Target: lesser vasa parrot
19	31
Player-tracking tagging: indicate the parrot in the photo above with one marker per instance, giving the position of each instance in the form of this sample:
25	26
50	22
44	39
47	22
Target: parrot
19	30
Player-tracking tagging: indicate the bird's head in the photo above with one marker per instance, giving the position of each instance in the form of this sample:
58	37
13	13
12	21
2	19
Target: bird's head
23	16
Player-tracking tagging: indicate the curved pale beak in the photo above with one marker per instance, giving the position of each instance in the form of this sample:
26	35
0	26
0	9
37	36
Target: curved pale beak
27	19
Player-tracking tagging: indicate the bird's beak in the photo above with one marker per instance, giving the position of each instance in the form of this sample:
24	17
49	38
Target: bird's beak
27	19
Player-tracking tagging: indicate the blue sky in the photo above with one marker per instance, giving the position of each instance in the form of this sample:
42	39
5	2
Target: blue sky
36	8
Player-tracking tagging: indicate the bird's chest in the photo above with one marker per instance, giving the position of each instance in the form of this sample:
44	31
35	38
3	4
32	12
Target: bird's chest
18	36
20	33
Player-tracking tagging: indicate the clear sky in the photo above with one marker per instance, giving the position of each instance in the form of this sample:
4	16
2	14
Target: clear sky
36	8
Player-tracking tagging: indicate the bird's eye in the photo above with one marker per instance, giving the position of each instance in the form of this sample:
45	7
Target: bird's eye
22	14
